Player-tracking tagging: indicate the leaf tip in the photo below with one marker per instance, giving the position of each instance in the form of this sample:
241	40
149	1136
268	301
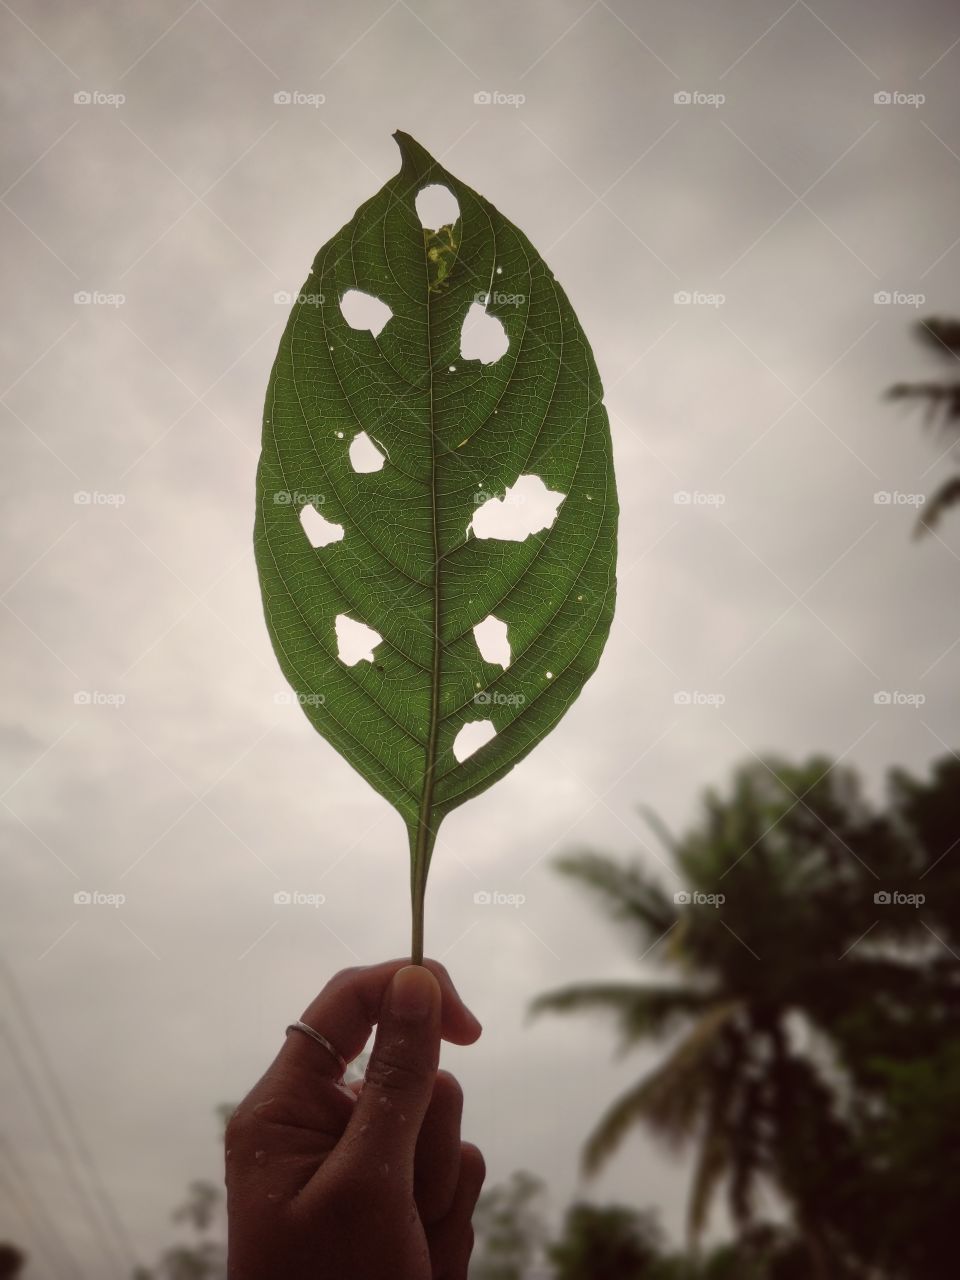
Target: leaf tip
415	158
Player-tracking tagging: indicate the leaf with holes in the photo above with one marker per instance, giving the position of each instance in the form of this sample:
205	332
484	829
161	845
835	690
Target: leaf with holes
436	509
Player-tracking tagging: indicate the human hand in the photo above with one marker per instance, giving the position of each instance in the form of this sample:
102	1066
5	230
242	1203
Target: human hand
328	1181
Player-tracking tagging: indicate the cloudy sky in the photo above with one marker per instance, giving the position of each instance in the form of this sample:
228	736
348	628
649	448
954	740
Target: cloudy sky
146	752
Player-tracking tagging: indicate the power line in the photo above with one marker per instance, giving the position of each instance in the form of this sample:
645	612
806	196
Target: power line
21	1190
48	1122
109	1226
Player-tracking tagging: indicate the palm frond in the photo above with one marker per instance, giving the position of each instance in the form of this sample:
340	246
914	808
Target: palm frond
942	336
668	1100
713	1161
947	496
627	892
641	1009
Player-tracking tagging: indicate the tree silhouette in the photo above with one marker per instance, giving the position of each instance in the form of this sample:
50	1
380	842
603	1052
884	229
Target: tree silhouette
760	984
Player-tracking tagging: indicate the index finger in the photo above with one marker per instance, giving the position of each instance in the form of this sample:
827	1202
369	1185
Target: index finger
348	1008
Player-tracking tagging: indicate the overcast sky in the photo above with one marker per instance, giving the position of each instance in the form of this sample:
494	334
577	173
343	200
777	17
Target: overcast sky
783	586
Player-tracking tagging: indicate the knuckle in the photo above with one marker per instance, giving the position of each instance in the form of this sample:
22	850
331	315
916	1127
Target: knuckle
345	977
388	1072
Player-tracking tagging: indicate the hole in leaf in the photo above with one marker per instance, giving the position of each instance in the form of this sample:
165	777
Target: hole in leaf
364	454
482	337
527	507
436	207
355	640
319	530
473	735
491	638
364	311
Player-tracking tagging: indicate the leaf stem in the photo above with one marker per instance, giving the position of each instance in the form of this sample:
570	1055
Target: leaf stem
426	833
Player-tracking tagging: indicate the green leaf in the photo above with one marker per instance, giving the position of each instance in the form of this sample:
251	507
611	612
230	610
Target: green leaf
412	558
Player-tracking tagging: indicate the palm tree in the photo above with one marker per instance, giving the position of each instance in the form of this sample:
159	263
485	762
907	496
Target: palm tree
797	856
942	407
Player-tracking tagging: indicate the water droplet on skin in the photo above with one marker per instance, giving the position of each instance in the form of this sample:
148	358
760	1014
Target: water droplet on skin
260	1157
273	1195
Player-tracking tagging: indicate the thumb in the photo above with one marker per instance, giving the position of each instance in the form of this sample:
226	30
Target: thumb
399	1079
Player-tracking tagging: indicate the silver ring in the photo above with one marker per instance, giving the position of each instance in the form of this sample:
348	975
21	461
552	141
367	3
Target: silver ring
315	1035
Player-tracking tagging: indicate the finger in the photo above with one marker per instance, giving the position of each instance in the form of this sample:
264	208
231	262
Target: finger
451	1241
436	1165
398	1085
348	1007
